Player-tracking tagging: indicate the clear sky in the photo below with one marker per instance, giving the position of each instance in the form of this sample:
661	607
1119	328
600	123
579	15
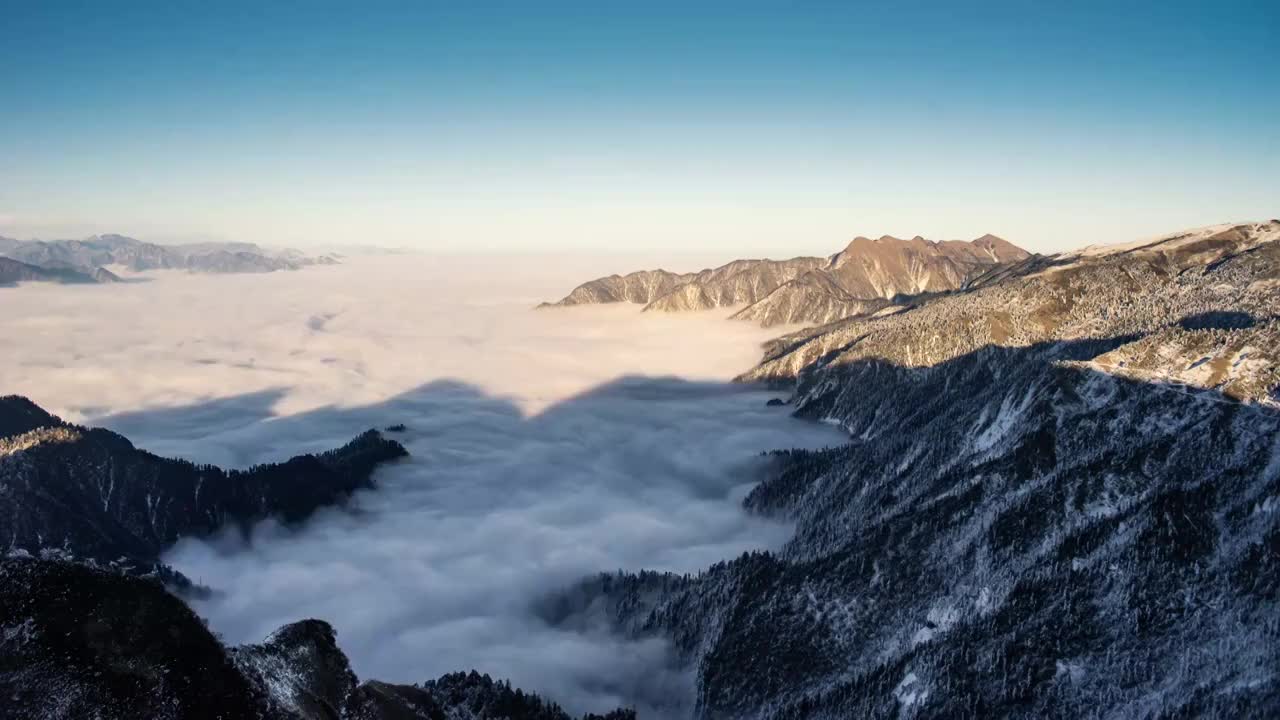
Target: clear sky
744	127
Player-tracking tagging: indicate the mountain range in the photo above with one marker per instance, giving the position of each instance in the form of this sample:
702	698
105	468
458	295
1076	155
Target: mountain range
15	271
1060	497
867	276
83	260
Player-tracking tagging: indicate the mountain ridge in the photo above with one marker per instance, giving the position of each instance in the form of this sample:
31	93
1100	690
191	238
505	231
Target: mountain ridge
91	492
15	271
88	256
863	277
1057	500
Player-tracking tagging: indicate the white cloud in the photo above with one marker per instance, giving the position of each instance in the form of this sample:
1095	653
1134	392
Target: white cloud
533	461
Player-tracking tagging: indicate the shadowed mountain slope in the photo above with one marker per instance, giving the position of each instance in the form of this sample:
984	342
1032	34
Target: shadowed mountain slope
90	492
1058	500
1071	544
15	271
78	641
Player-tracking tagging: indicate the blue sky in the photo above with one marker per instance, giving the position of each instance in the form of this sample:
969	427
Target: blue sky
768	128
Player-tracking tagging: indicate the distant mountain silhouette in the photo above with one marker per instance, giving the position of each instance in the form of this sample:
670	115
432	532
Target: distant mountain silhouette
86	257
15	271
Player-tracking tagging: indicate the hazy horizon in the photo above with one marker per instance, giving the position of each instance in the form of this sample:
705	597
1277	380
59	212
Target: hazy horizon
619	260
743	129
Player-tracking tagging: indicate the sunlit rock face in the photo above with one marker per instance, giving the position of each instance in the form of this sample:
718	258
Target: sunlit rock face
864	277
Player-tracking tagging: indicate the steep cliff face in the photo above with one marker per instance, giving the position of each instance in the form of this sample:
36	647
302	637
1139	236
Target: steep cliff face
92	493
1059	499
865	276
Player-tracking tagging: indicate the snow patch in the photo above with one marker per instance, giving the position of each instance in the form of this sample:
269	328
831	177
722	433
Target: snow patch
1064	670
984	603
911	691
14	637
1008	417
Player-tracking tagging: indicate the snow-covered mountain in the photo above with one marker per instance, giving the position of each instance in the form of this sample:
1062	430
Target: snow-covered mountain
1059	499
864	277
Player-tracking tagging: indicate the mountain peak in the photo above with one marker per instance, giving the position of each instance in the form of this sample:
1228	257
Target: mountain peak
862	277
999	249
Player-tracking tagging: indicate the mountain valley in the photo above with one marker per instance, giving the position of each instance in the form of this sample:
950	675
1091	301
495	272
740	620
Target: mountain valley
1058	496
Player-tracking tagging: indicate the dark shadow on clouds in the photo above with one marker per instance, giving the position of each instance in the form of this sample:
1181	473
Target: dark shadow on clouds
440	566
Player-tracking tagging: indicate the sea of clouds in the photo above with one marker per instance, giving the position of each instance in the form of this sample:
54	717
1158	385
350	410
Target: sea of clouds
545	445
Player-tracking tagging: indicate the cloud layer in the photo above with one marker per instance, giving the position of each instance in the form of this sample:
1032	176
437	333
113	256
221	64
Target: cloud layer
539	452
